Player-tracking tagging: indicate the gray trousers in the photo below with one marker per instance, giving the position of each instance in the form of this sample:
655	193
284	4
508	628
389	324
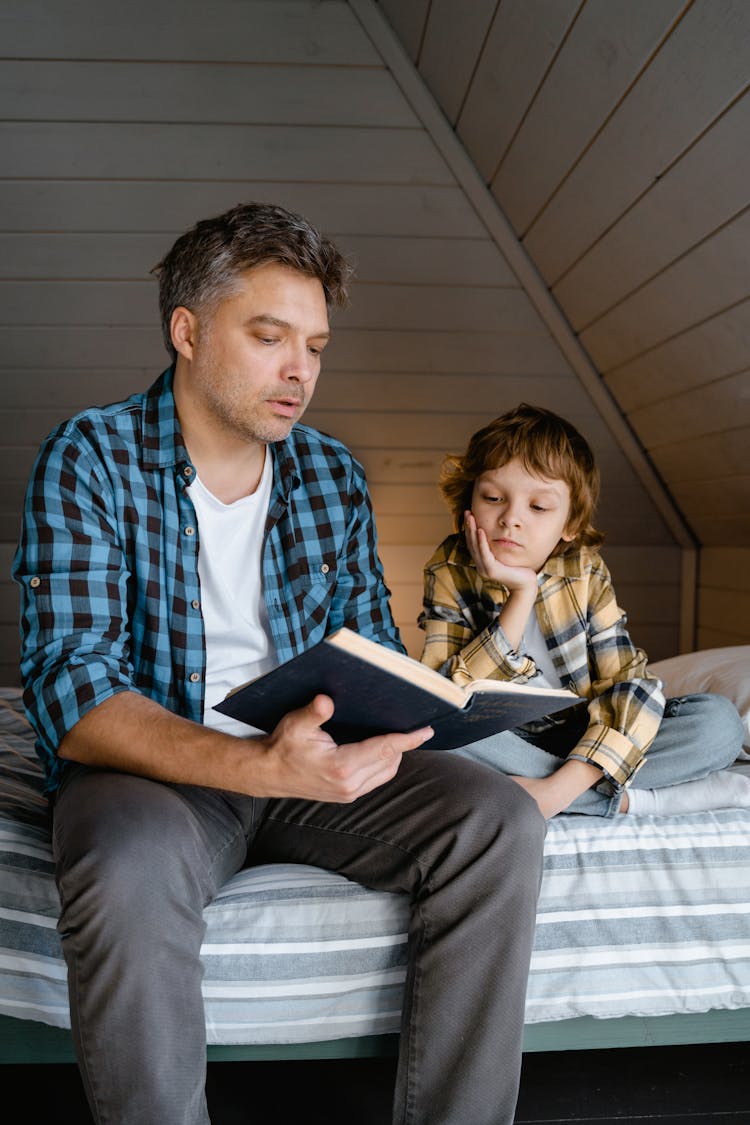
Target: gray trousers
138	860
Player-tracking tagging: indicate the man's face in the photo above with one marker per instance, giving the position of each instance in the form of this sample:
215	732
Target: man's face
254	360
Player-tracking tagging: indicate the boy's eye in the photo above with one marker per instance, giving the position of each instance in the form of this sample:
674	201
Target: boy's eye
538	508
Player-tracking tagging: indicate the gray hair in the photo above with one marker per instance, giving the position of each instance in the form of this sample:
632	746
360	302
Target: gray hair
205	264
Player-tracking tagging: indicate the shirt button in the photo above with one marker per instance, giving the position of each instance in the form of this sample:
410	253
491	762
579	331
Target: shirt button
195	603
194	677
324	568
34	582
188	471
189	530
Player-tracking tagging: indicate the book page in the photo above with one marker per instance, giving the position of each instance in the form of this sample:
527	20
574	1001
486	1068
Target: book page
421	675
399	664
513	686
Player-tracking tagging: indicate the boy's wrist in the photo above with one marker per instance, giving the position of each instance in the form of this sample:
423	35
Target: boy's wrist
574	777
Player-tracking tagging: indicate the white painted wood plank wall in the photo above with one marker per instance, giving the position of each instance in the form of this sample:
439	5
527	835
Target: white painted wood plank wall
615	139
122	126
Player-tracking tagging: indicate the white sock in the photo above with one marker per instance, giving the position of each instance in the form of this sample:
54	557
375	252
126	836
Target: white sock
721	790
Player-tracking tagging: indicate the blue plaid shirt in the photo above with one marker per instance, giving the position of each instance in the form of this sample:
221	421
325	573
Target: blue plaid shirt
108	562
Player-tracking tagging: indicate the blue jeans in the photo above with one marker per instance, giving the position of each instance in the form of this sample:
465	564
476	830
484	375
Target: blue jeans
699	734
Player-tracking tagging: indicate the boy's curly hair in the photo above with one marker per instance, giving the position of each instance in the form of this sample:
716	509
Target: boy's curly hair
548	447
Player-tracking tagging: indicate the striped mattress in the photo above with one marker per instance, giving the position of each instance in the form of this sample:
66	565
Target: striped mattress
643	917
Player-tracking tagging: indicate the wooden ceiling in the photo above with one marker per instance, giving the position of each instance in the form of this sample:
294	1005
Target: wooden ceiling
615	137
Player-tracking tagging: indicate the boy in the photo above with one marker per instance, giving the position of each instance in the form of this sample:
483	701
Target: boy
521	593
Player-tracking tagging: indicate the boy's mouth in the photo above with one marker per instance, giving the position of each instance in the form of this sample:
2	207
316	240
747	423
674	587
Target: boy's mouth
507	543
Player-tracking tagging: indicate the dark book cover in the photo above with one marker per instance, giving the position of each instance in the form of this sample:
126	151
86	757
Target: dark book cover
372	699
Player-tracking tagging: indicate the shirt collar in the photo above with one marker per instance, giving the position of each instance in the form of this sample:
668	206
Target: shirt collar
569	565
287	471
162	438
163	445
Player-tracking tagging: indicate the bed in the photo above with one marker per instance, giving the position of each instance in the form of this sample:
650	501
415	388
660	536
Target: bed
643	931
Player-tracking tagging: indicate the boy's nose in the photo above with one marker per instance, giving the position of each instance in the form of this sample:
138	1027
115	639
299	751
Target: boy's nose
510	517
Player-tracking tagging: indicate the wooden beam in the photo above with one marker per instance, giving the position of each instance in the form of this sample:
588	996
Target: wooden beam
467	176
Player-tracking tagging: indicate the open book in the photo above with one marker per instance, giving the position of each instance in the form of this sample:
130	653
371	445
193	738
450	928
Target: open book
376	689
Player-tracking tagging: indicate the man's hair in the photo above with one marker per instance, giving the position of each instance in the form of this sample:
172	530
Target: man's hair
205	264
548	447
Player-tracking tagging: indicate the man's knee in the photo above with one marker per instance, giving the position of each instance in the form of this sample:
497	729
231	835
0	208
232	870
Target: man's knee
492	812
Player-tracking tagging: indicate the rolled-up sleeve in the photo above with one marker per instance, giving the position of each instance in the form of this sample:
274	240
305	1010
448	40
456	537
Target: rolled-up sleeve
626	703
452	644
75	646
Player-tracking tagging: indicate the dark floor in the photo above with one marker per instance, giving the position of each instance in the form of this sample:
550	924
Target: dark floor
706	1085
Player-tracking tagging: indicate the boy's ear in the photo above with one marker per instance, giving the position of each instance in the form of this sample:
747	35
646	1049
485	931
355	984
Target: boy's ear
570	533
182	328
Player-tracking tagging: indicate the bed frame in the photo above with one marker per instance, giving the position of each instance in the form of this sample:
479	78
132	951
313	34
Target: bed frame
27	1041
30	1041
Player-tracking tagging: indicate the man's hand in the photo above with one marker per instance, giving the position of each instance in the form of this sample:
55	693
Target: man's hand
134	734
299	759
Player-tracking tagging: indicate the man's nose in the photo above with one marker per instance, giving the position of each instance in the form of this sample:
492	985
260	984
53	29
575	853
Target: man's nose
302	365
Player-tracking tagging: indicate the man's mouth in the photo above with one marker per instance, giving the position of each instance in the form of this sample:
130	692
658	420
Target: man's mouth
287	406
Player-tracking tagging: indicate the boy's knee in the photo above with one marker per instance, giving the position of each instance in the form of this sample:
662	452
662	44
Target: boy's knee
727	724
722	716
716	724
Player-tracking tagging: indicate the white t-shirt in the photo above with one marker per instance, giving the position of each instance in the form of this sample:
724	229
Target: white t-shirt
535	646
238	639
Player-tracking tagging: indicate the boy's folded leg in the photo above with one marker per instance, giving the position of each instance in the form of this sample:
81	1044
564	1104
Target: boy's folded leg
720	790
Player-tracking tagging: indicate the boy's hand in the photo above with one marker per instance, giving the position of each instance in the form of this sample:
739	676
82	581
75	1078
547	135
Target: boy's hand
555	793
299	759
513	577
550	801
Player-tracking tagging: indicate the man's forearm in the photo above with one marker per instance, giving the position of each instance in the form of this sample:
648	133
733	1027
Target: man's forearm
134	734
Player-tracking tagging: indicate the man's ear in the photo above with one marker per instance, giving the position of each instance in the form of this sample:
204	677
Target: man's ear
182	328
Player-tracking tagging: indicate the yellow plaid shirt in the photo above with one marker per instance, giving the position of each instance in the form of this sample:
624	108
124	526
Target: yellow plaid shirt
586	635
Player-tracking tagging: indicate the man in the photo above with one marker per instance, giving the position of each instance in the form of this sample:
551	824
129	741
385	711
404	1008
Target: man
172	546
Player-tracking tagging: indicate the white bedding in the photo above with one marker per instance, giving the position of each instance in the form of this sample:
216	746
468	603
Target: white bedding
636	917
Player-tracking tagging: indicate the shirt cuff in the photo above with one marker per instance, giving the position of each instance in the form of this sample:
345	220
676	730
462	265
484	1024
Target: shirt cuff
613	752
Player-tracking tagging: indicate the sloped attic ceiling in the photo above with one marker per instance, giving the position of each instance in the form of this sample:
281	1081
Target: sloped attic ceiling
614	136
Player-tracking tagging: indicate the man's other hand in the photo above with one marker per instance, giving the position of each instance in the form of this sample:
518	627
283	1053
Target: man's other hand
300	759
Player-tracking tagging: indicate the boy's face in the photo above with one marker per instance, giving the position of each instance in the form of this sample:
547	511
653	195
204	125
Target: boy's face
523	516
